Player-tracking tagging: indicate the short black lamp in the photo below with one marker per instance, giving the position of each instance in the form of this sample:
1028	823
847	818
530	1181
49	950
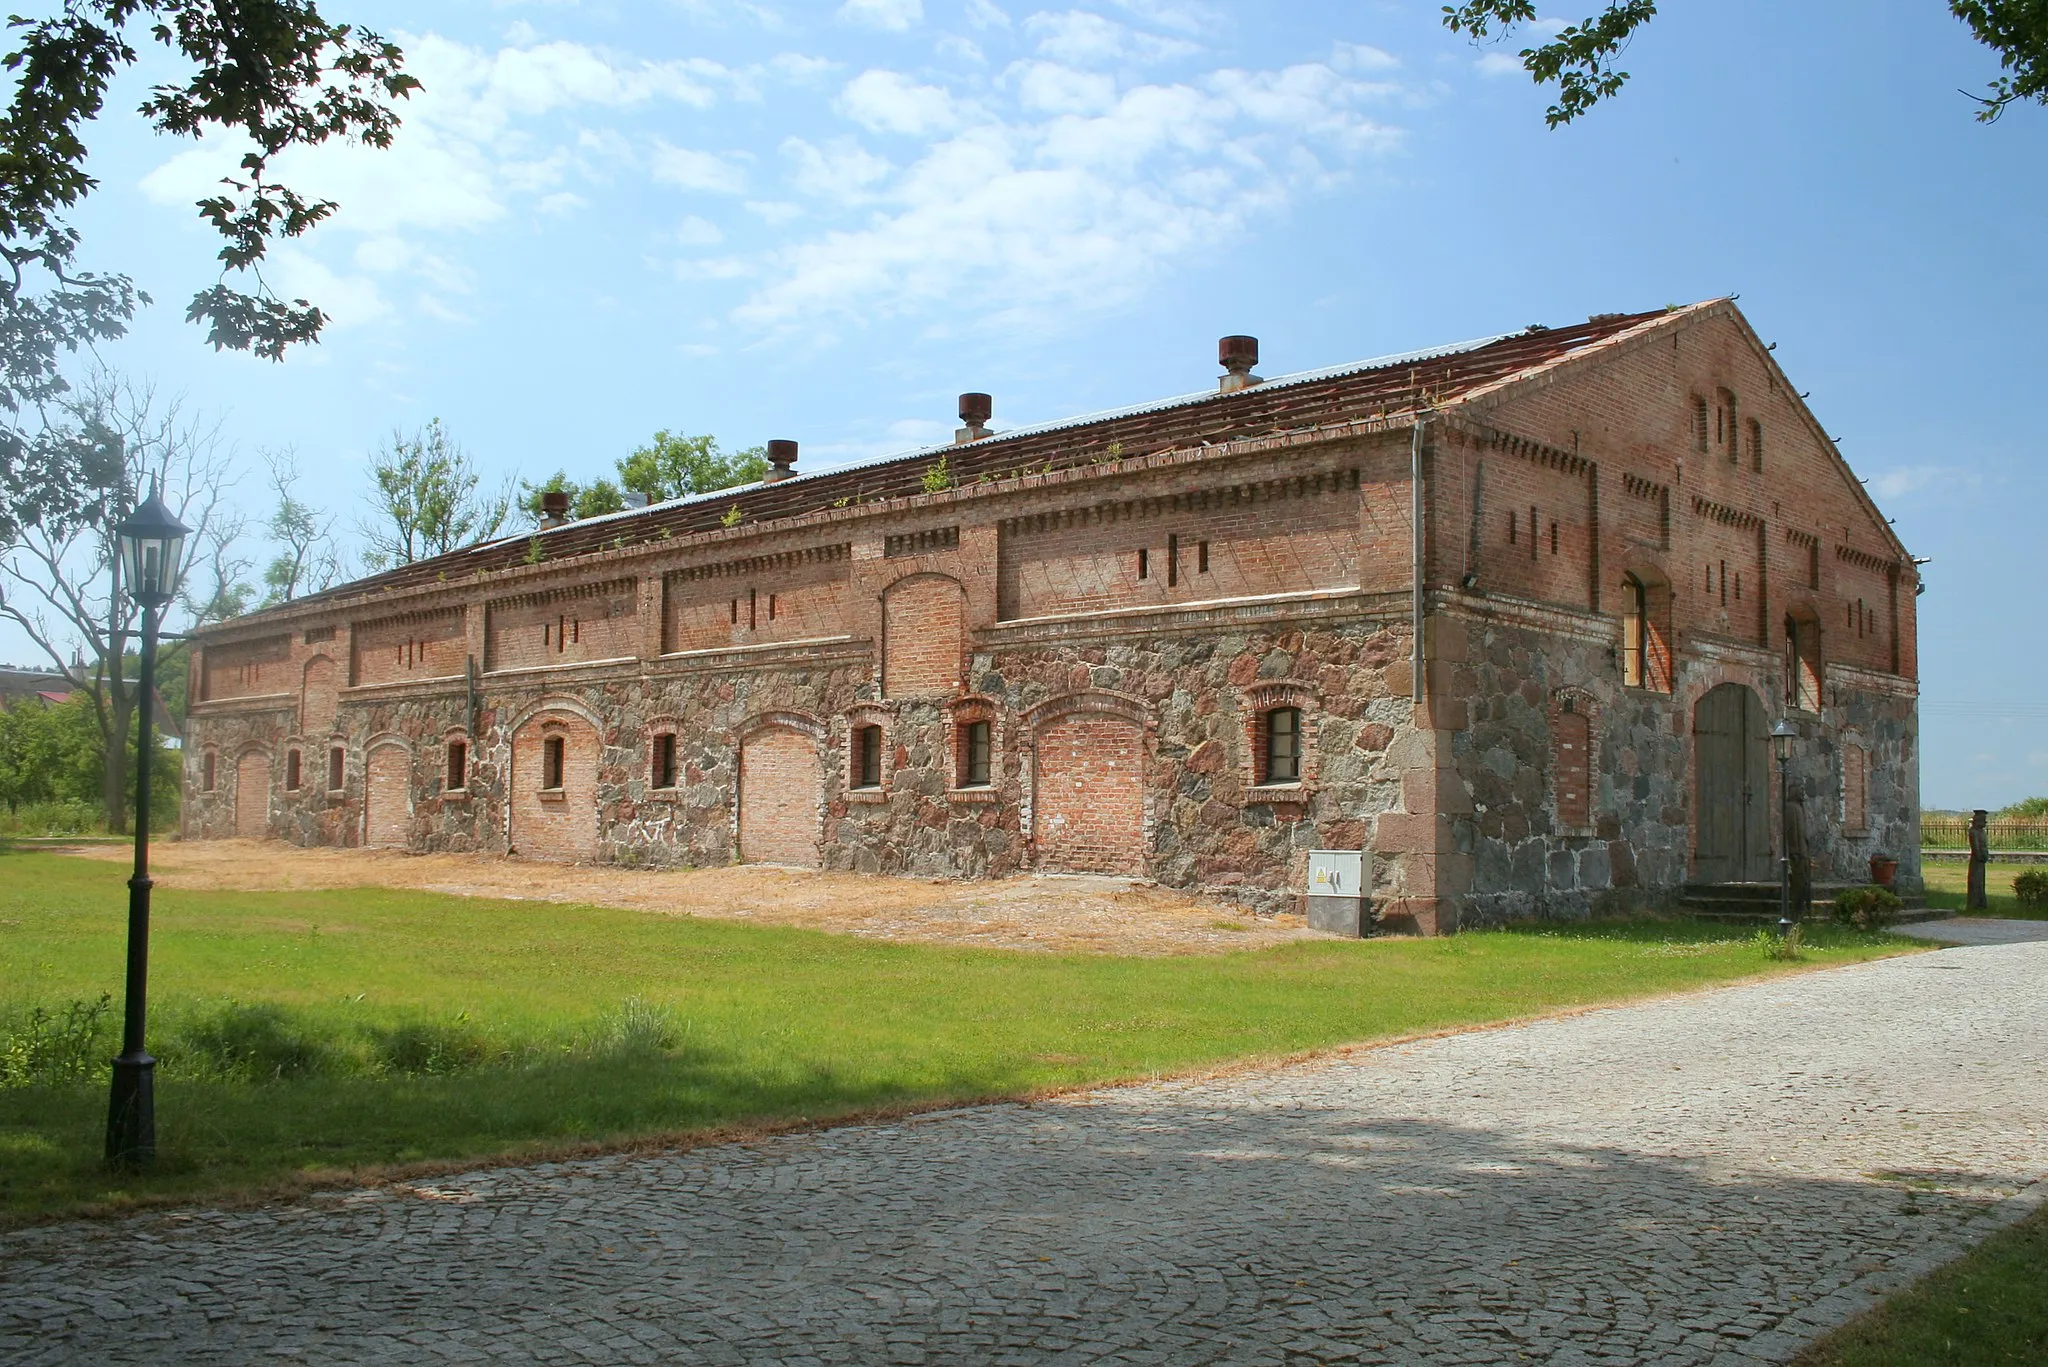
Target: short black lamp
1782	736
152	552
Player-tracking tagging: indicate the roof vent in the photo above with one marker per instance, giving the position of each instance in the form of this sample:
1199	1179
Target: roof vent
554	508
975	410
781	461
1237	355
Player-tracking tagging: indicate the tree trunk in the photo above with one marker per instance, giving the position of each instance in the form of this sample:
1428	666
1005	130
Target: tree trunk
114	786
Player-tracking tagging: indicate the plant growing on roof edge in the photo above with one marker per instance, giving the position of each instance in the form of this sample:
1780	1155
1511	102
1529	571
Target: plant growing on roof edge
731	518
938	477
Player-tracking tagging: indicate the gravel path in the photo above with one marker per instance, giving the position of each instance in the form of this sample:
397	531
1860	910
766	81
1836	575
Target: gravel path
1976	930
1707	1179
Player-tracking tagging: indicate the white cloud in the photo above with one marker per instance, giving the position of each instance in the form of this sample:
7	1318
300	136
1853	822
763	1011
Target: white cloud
697	232
694	170
892	16
1071	198
1911	479
983	14
1048	88
888	102
958	50
1087	39
1498	64
1363	57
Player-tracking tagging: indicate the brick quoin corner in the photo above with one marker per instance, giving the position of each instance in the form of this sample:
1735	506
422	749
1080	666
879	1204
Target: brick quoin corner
1177	641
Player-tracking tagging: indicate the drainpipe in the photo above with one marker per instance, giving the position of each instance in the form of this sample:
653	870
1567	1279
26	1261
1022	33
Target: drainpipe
1415	520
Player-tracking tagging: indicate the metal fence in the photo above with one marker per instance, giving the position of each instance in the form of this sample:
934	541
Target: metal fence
1953	833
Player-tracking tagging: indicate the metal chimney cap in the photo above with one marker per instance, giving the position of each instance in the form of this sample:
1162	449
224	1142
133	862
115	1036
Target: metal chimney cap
976	409
555	503
1237	353
781	452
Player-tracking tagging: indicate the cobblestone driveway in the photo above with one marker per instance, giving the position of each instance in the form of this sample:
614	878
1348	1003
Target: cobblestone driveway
1710	1179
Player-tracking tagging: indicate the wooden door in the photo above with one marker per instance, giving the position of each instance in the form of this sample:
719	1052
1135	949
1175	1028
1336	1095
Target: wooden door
387	798
1732	786
1088	808
252	796
781	782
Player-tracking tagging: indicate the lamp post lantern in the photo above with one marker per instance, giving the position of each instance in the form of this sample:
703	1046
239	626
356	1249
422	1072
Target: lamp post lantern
152	543
1782	736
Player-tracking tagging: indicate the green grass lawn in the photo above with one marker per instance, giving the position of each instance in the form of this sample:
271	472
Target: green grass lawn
1986	1308
1948	882
308	1036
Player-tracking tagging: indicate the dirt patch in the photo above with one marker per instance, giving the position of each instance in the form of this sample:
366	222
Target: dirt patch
1100	915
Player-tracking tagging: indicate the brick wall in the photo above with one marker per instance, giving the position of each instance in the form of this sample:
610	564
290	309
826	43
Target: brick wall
1088	798
252	795
247	669
423	645
570	626
1241	539
781	789
387	797
924	638
756	601
318	697
558	823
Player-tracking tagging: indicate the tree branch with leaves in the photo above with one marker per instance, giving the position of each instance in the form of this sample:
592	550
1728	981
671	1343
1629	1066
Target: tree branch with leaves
427	498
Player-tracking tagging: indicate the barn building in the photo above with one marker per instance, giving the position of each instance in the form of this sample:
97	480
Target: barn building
1511	617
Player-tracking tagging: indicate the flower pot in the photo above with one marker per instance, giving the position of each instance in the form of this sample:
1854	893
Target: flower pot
1883	870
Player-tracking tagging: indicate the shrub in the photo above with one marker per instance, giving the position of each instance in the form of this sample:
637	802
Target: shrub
636	1027
1781	948
431	1047
257	1042
2031	888
59	1048
1871	908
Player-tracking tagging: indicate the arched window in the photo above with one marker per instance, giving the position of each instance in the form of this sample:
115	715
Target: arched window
1699	424
1283	746
337	769
1756	446
1635	632
1726	432
974	754
867	757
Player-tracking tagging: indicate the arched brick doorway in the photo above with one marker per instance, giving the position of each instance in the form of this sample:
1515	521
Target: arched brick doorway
781	781
1088	794
252	795
387	798
1731	757
554	787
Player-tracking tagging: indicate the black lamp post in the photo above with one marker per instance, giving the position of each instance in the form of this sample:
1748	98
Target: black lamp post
152	544
1782	736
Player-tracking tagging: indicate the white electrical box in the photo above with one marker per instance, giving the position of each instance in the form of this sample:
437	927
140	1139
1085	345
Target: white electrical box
1336	891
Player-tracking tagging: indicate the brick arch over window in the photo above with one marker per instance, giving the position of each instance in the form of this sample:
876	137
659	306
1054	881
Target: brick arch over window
778	799
1574	759
963	714
1090	805
252	793
319	695
1258	701
387	793
859	718
554	815
924	636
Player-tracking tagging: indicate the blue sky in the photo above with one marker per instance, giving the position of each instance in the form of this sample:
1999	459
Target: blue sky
824	220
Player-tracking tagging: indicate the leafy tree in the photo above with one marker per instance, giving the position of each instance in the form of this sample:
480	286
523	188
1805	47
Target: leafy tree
1580	60
306	561
428	499
2026	809
276	74
57	579
595	499
55	752
672	466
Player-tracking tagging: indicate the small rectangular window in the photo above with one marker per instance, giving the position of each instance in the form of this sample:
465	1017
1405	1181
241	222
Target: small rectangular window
975	756
551	763
1172	561
337	769
1283	745
1535	531
735	612
1202	558
206	769
458	766
1144	564
665	760
1553	538
771	607
868	757
291	771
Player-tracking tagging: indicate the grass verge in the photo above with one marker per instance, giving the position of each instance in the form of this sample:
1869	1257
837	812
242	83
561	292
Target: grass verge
1948	883
1986	1308
310	1038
